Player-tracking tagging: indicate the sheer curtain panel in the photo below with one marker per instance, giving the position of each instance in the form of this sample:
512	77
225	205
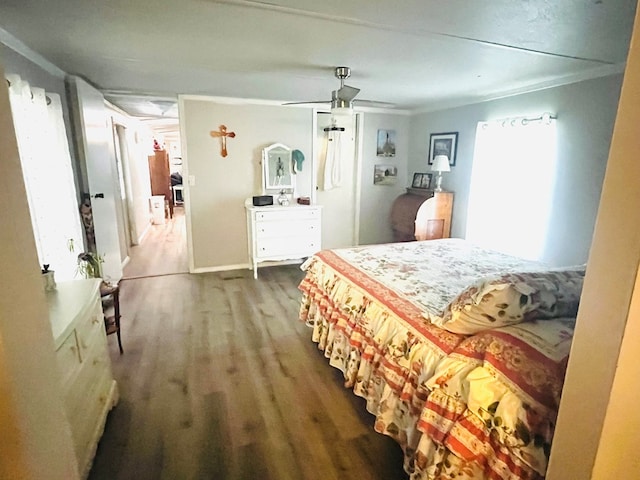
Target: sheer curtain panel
512	183
48	176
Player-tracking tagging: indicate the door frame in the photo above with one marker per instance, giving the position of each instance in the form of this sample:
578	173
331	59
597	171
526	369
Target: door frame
358	129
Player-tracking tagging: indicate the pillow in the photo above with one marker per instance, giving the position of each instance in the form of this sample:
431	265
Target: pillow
514	298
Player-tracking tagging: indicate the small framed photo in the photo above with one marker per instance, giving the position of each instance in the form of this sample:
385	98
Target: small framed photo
385	175
421	180
443	144
386	146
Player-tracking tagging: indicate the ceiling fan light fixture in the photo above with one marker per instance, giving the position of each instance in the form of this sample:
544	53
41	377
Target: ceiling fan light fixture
340	106
341	111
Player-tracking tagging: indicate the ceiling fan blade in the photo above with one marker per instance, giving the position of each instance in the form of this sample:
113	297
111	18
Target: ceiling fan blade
374	103
347	93
309	102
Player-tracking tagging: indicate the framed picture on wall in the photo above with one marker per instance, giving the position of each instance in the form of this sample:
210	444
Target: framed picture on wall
386	146
443	144
421	180
385	175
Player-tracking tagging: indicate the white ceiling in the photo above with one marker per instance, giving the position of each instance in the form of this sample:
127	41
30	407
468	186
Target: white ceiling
416	54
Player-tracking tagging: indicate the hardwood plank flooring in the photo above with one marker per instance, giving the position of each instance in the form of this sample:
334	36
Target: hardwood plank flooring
220	380
163	249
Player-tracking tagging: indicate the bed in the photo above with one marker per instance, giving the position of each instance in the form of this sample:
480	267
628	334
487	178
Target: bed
460	352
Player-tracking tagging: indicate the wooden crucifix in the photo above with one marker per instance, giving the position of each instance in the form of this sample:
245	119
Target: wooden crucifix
223	134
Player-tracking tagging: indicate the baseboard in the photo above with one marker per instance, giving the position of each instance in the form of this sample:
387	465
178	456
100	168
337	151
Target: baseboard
242	266
144	233
222	268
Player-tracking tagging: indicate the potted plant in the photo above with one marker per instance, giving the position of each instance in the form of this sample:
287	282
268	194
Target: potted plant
90	265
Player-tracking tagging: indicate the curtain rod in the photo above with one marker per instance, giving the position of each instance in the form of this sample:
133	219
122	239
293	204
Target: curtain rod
46	96
545	117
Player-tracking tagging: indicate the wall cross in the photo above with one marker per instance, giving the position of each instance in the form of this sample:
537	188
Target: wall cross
223	134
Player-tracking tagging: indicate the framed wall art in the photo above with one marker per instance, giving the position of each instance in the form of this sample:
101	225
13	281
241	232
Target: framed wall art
443	144
385	175
386	146
421	180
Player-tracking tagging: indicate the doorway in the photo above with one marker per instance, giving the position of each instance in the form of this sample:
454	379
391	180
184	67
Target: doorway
341	201
161	249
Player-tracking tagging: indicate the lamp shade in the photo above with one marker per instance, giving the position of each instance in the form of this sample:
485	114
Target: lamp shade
440	164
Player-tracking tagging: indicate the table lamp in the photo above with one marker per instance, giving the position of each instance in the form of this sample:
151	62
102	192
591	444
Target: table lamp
440	164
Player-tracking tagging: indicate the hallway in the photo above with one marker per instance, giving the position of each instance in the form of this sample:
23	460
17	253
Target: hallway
163	250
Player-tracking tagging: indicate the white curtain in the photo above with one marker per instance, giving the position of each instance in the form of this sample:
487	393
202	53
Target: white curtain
332	171
512	183
48	176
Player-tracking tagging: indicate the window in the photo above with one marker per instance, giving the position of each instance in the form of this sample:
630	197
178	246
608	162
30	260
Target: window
512	184
48	176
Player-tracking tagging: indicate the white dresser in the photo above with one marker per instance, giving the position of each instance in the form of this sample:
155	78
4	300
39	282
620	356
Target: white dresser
278	233
77	323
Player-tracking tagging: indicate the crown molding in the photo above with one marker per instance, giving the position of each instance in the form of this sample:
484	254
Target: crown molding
598	72
21	48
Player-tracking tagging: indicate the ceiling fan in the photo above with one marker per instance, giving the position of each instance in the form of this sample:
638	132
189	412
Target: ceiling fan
342	99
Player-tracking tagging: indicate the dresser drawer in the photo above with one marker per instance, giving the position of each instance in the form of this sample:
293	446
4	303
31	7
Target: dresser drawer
89	327
85	419
287	229
292	247
95	363
68	358
75	313
292	214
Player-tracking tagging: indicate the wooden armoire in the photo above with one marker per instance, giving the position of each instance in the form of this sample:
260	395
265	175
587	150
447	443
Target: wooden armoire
160	177
421	215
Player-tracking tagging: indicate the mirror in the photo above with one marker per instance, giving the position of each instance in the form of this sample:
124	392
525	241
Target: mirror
276	167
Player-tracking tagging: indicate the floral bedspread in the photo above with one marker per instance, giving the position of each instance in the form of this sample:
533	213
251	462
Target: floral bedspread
430	274
467	407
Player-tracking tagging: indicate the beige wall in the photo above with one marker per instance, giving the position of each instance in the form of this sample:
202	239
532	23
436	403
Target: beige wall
215	211
215	204
35	440
598	423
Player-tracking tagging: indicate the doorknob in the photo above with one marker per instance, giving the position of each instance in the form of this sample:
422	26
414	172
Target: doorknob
98	195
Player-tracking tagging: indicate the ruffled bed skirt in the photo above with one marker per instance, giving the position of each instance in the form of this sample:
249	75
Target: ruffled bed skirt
400	375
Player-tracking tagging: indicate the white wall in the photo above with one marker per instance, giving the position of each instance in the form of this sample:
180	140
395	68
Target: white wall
586	112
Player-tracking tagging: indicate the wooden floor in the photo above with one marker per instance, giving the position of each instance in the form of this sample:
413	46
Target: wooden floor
163	249
220	380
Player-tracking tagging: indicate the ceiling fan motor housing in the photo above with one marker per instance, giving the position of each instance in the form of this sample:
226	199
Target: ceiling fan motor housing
343	72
